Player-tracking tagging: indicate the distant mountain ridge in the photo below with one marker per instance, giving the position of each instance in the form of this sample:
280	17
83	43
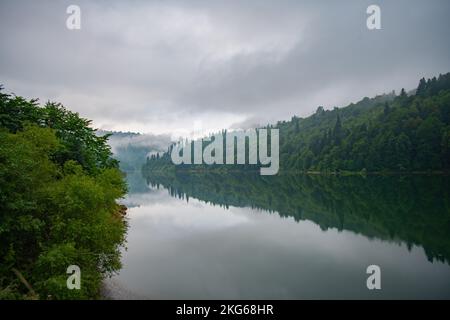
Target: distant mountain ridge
131	148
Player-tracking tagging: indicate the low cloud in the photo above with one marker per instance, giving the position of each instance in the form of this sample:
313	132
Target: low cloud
151	142
162	66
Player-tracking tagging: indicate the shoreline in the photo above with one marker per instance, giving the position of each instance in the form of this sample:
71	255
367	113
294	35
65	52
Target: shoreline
301	172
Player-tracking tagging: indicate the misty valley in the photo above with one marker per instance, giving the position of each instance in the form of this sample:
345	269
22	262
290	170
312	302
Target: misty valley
360	188
255	158
356	205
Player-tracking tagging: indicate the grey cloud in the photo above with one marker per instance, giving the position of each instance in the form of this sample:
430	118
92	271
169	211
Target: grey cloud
159	66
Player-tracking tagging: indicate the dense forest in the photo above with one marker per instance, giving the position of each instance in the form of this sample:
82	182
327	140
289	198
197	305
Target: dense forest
413	209
58	190
408	132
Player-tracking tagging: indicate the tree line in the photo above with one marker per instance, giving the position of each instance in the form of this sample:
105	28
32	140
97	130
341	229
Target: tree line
58	190
405	132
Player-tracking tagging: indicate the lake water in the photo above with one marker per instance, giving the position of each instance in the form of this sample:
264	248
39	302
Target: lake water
295	237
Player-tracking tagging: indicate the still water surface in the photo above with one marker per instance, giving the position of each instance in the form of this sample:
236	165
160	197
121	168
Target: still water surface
208	237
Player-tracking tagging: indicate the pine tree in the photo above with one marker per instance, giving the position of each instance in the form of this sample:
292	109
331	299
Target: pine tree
387	109
403	93
337	132
421	89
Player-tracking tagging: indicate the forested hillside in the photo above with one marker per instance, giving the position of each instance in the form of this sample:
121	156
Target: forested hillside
58	191
397	133
131	148
130	155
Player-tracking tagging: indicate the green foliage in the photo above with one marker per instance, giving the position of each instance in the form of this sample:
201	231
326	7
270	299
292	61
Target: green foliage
58	192
386	133
78	140
404	133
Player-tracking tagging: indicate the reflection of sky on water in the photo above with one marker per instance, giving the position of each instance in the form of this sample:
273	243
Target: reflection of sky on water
180	249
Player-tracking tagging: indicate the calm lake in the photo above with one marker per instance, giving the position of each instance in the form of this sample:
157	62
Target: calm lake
243	236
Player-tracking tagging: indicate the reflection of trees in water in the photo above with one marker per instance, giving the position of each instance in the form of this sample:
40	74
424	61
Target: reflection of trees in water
413	209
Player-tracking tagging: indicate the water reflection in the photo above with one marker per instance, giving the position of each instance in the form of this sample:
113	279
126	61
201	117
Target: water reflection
251	237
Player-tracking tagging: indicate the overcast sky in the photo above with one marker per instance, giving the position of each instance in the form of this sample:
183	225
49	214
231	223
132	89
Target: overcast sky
176	66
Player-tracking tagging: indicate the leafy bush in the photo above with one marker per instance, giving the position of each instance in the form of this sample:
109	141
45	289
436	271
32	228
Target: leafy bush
58	192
